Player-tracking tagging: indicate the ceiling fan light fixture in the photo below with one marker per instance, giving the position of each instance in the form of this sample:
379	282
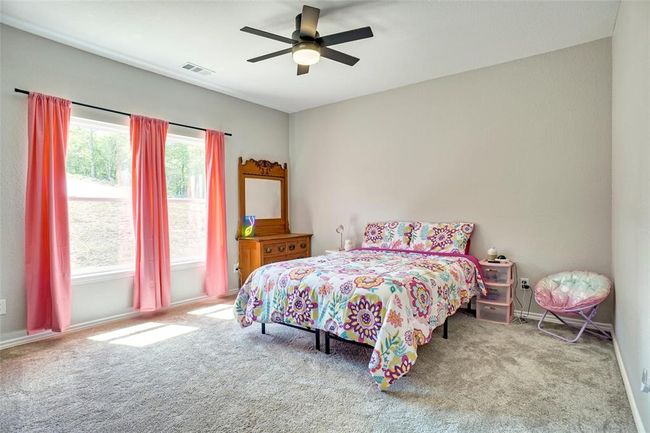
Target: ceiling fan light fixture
307	46
306	53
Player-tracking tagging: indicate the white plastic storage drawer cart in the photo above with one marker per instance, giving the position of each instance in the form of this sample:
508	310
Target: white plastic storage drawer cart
496	305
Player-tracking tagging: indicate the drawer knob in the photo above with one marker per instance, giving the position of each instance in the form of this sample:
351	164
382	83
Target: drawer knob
268	250
292	247
303	245
281	248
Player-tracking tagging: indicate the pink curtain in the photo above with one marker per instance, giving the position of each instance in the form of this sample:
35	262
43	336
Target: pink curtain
149	192
47	248
216	265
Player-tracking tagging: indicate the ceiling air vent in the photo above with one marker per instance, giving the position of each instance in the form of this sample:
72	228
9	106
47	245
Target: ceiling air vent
198	69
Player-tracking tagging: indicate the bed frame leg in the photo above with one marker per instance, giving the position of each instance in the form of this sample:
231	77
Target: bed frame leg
263	328
317	333
327	342
445	330
469	311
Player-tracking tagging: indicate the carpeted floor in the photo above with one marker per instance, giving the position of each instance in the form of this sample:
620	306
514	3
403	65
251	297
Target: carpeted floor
220	378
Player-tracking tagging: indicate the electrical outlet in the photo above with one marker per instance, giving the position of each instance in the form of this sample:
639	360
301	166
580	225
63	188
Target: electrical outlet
3	306
524	283
645	382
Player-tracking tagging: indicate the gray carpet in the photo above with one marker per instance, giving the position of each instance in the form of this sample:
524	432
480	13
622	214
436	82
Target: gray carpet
485	378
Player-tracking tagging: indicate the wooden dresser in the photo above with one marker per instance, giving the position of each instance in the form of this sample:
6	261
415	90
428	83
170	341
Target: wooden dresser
263	193
262	250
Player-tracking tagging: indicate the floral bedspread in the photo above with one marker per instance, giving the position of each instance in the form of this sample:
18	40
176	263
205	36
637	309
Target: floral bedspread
391	300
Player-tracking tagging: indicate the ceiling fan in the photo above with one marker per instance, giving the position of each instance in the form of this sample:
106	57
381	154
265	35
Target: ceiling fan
307	45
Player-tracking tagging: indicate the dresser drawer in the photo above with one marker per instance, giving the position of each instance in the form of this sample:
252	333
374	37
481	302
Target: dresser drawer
274	248
299	245
297	256
284	257
274	259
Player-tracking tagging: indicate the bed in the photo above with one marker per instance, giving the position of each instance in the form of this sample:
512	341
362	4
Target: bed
387	295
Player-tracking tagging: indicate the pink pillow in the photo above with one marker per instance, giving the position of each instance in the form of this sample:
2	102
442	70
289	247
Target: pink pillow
395	235
441	237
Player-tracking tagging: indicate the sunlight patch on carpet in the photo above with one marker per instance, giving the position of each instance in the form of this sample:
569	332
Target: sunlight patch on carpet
123	332
155	335
211	309
223	315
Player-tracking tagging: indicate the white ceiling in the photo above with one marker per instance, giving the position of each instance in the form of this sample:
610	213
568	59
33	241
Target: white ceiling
414	41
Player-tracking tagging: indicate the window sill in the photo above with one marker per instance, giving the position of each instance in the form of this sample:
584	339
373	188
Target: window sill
123	273
188	264
107	274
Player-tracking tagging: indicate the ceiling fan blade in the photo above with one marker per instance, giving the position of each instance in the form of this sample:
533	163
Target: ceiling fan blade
338	56
349	36
270	55
303	69
264	34
309	21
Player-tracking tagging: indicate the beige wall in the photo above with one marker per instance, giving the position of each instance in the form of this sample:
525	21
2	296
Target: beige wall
631	193
37	64
522	149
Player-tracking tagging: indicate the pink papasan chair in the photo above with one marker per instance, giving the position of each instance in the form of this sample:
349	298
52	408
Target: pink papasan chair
573	294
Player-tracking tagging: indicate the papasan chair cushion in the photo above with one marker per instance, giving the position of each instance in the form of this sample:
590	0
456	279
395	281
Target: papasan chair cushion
567	292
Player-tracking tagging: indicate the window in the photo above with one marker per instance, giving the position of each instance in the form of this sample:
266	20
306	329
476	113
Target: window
98	167
98	173
185	171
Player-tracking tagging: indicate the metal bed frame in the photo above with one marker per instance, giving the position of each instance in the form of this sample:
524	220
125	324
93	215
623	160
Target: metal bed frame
329	335
316	332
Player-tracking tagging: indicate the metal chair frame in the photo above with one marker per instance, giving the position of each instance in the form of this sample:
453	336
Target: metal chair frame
588	318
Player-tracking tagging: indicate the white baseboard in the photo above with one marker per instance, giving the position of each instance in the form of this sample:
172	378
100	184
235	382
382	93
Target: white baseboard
552	319
84	325
628	388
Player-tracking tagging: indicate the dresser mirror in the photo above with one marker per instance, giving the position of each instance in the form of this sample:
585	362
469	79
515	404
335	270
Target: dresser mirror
263	198
263	194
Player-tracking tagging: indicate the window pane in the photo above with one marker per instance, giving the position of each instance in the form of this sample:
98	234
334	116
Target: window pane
99	206
185	171
101	235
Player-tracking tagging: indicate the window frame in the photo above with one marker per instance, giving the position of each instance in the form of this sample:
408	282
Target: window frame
97	274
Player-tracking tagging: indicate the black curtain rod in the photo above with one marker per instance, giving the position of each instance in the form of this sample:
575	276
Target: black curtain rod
123	113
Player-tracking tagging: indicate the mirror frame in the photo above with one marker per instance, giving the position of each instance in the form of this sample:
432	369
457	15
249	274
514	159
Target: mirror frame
263	169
